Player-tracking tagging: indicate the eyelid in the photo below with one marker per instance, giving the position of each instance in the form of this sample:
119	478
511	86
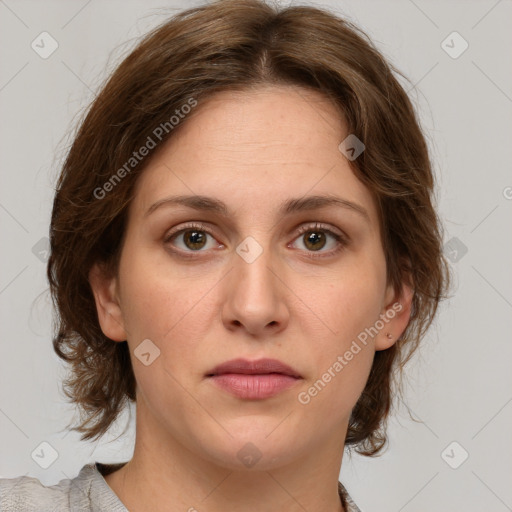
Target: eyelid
321	227
186	227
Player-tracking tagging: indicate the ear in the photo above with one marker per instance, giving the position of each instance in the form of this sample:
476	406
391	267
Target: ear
104	288
395	315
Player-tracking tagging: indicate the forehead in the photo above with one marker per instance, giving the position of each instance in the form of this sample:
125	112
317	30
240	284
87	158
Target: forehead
254	149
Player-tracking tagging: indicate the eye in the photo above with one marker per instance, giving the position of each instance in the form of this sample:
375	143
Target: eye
317	237
193	238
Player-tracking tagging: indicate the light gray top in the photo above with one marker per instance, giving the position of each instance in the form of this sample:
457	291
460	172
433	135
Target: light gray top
88	492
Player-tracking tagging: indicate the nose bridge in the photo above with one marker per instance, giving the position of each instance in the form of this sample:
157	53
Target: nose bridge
253	278
255	296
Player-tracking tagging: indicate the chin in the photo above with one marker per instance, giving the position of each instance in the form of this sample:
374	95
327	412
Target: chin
253	453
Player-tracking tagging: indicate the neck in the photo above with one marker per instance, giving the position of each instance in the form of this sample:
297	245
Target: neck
165	475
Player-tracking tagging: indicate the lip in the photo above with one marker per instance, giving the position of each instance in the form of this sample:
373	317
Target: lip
257	367
254	380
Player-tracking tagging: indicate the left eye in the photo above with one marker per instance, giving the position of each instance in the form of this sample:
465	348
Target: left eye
315	239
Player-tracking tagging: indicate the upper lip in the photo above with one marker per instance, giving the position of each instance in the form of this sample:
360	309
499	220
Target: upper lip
258	367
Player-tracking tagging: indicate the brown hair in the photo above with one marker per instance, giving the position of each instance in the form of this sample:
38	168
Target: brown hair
230	45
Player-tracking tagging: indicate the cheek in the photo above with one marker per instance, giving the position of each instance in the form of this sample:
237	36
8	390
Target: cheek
165	311
156	298
343	351
174	312
347	301
342	361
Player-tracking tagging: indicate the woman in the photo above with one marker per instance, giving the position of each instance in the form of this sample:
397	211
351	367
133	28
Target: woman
243	242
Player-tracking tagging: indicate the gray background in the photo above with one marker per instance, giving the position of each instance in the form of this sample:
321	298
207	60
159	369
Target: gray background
459	385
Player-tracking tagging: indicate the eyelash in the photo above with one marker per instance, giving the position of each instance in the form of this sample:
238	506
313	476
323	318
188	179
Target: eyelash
341	240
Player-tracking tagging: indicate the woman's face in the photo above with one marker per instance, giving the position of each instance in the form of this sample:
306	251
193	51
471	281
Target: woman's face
274	275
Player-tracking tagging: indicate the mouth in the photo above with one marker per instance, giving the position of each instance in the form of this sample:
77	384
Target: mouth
254	380
259	367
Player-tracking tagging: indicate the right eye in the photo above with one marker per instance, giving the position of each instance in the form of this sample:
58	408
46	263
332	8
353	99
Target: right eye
192	238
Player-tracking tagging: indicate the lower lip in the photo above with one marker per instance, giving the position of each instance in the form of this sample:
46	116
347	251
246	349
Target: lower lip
254	387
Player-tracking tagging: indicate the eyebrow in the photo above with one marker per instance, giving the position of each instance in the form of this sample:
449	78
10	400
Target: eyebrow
308	203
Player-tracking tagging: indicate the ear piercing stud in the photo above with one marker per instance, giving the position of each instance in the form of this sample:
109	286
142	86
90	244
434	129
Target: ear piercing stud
389	336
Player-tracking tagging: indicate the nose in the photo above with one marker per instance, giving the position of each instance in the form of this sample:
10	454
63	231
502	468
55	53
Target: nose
256	297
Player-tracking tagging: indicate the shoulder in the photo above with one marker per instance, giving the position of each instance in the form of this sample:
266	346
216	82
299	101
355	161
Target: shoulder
28	493
87	491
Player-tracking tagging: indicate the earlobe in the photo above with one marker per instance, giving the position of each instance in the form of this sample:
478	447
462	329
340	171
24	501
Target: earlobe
104	288
397	313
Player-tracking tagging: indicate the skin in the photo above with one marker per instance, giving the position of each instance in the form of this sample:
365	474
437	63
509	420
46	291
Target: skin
253	150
